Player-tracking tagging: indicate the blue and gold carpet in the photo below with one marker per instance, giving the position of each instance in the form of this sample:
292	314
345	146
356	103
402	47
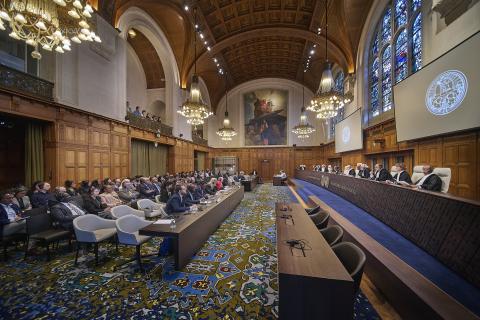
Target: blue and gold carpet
234	276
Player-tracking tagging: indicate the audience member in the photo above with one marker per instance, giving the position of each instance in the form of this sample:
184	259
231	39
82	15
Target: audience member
110	197
176	203
93	204
21	199
127	192
42	196
64	212
70	186
11	221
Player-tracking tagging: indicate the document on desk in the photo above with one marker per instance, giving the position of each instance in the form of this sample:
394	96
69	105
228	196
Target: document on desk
163	221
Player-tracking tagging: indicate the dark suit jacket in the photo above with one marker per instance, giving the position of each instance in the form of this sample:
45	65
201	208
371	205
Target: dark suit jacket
176	204
4	216
147	191
93	206
210	190
199	193
383	176
190	199
432	183
404	176
40	199
352	172
62	214
365	173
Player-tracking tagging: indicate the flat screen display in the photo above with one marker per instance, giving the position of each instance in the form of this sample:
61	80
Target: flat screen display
442	97
348	133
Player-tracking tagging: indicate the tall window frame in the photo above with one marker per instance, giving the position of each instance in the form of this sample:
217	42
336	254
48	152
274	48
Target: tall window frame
339	81
394	53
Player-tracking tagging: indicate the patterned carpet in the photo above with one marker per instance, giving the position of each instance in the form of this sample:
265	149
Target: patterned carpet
234	276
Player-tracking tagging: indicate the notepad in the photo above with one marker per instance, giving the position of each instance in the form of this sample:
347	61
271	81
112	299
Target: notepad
163	221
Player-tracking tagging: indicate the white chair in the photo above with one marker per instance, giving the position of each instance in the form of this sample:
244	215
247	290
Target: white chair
157	199
91	228
127	231
417	174
446	175
151	209
393	171
123	210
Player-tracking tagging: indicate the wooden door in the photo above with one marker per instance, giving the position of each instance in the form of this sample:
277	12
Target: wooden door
266	169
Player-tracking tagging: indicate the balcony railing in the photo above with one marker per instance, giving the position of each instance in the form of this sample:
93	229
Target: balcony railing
25	83
199	140
148	124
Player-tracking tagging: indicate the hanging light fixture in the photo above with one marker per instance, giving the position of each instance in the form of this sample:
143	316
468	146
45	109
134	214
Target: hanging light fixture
303	130
40	23
194	109
226	132
328	100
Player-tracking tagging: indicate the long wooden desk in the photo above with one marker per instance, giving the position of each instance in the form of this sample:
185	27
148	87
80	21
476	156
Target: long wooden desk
250	184
445	226
193	230
277	181
314	286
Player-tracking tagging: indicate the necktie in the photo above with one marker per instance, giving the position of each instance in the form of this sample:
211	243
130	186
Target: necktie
20	203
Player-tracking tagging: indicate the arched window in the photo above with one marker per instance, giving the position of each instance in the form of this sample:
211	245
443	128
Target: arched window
339	86
394	53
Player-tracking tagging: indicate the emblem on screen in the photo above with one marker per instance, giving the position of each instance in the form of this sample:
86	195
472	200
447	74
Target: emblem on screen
446	92
346	134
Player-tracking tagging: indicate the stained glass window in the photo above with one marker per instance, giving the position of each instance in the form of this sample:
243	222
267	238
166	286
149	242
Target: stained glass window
335	120
400	13
401	56
416	4
417	44
387	26
395	51
387	78
339	79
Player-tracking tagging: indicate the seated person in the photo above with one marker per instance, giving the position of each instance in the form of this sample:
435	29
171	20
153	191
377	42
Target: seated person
254	173
40	199
127	192
200	192
10	220
92	203
323	168
401	175
146	189
302	167
358	168
110	197
64	212
190	198
211	187
330	168
241	176
156	185
430	181
316	167
336	170
349	171
176	203
219	185
381	174
21	199
364	171
282	175
70	187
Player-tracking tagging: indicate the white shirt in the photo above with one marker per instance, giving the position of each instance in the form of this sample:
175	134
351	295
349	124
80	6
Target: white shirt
10	212
421	181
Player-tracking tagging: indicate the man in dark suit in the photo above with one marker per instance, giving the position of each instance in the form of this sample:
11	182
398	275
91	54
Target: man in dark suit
40	199
190	198
430	181
200	192
155	185
381	174
176	203
146	189
401	174
65	212
10	220
364	172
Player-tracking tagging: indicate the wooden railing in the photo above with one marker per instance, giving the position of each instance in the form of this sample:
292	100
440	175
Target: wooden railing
148	124
199	140
25	83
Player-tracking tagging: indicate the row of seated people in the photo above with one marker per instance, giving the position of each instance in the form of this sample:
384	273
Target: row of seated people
429	180
177	192
144	114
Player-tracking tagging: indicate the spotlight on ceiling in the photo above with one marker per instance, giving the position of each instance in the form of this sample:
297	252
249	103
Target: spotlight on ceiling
131	33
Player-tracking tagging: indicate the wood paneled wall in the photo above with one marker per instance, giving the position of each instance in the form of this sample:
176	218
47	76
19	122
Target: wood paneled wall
82	146
460	152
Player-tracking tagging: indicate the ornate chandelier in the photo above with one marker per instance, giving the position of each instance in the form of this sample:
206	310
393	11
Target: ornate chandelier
303	130
194	109
226	132
49	24
328	100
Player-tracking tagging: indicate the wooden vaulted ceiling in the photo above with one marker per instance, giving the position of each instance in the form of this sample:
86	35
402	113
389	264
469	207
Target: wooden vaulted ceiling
255	38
